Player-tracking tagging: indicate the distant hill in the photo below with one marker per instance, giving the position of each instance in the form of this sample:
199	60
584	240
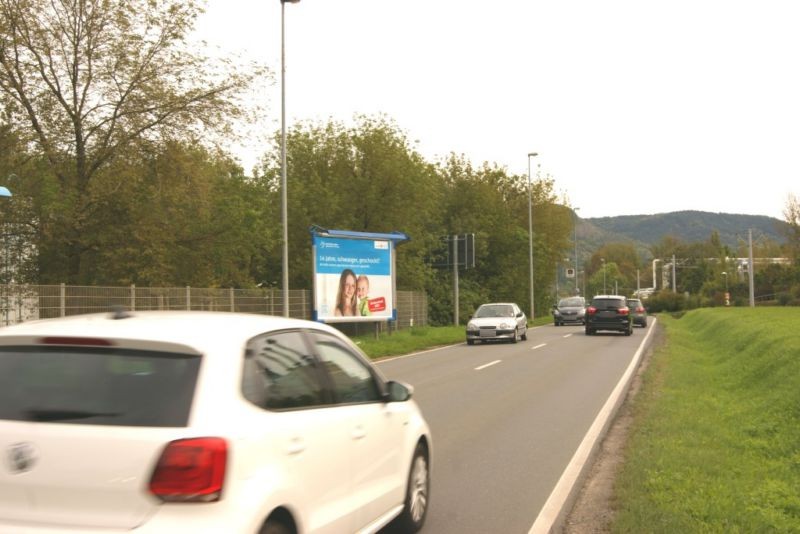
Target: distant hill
687	226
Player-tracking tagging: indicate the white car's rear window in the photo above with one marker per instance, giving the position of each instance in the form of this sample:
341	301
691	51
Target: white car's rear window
96	386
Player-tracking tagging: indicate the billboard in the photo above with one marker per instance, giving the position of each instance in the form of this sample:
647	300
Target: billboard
353	276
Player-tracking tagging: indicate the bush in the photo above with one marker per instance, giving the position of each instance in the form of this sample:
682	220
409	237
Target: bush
666	301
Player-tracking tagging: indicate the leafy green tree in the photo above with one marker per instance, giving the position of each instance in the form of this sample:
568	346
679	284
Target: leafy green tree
621	264
665	248
86	82
179	215
489	202
607	279
362	178
791	215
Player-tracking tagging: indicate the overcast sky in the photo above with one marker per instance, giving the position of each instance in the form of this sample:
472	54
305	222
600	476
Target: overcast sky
634	106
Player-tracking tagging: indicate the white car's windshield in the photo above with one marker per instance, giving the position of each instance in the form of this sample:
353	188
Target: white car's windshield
495	310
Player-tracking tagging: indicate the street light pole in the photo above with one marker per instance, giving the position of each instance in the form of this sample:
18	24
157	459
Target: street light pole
4	192
604	274
575	232
284	195
530	231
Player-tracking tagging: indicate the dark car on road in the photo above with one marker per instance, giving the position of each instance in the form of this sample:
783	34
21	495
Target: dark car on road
569	310
638	312
609	312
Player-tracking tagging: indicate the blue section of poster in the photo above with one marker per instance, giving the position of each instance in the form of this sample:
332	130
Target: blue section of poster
365	256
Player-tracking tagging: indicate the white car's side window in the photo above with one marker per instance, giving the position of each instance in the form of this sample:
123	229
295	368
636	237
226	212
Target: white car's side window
352	380
279	373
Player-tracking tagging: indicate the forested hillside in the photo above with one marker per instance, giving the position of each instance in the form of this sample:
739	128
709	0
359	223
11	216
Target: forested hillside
643	231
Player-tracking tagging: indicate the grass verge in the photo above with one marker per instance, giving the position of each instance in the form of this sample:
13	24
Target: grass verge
715	446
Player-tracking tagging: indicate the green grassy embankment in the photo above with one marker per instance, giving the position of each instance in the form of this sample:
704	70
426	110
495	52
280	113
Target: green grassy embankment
715	443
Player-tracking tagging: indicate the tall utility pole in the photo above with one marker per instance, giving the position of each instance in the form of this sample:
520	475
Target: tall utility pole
603	260
284	194
455	280
750	269
530	232
4	192
674	281
575	236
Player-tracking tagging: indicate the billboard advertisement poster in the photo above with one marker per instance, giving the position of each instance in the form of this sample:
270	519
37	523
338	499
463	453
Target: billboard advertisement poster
353	279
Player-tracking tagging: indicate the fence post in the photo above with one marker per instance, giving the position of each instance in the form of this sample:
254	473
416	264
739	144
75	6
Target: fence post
133	297
411	308
188	298
63	299
233	307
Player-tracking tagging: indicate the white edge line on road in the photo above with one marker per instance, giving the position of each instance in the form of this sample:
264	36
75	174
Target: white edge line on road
400	356
558	497
539	346
484	366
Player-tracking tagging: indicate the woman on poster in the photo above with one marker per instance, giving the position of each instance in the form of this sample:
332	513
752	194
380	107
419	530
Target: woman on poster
346	301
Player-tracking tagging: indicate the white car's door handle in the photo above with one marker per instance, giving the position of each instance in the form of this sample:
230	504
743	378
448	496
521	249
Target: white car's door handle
296	445
358	432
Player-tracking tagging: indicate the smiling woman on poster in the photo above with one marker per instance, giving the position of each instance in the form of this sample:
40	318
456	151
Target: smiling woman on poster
346	301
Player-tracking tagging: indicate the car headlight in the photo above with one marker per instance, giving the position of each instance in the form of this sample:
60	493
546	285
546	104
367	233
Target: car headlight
472	326
504	325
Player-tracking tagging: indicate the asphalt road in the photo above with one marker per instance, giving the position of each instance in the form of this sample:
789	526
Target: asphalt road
507	418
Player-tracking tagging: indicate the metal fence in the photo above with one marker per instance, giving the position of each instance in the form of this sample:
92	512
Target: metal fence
19	303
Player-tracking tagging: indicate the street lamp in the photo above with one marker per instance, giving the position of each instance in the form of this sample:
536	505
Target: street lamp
575	232
4	192
725	274
284	207
604	274
530	230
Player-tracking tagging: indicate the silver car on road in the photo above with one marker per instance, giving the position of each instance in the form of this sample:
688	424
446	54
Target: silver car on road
497	321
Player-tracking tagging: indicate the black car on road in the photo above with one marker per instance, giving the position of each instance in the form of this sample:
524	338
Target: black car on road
609	312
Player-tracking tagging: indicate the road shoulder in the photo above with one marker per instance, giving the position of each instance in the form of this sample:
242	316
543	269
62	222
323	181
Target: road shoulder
592	511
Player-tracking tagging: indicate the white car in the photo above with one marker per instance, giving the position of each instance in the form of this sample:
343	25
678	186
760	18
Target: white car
497	320
169	422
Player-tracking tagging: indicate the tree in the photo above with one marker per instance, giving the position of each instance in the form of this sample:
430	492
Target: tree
86	81
181	216
792	232
362	178
608	279
621	264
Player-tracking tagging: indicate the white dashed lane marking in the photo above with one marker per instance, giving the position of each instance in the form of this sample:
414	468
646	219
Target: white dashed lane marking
484	366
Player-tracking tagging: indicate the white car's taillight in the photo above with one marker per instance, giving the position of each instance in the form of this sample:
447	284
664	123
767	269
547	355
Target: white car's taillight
191	470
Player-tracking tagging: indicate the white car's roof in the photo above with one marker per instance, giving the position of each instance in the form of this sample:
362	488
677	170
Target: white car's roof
190	328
